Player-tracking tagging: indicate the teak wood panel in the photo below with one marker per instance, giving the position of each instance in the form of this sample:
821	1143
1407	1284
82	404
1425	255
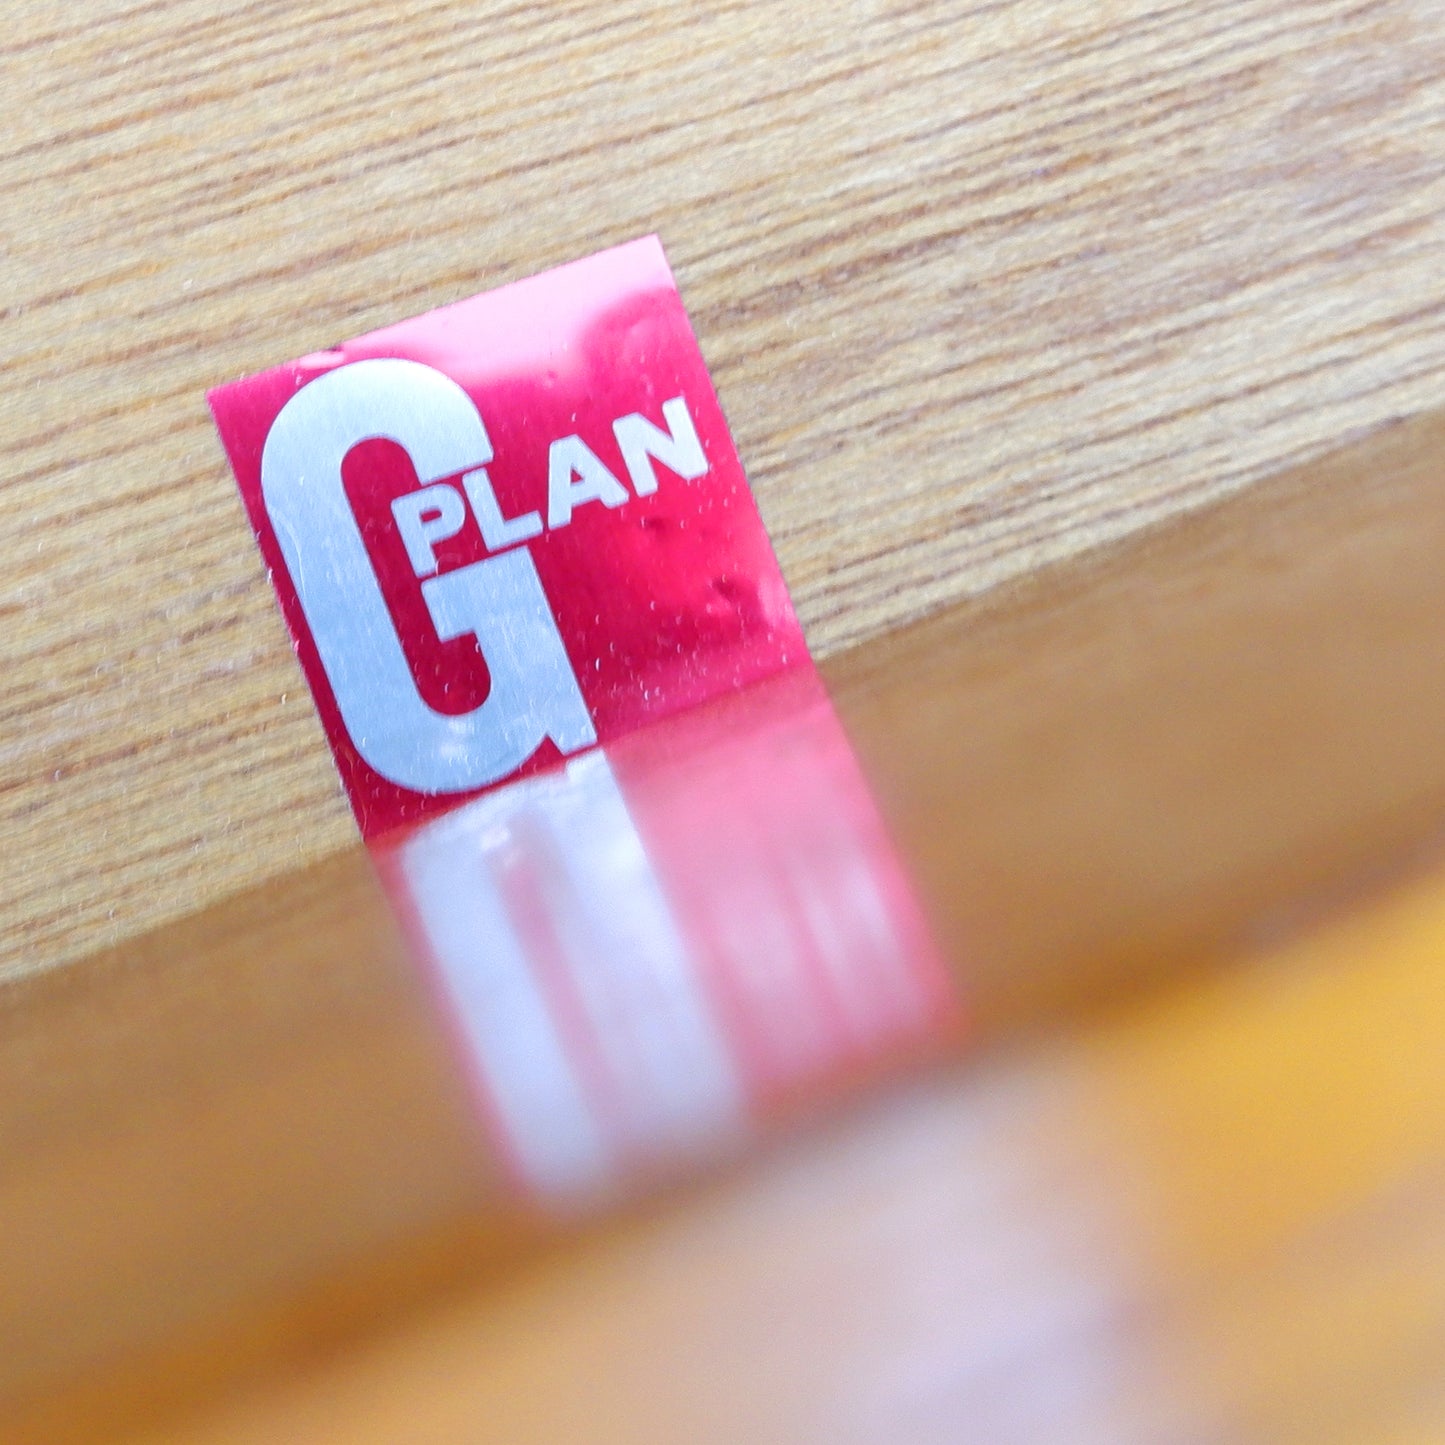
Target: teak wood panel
1217	1214
982	284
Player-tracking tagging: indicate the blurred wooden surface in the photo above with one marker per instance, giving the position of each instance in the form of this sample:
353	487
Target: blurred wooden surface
982	284
1216	1215
1163	747
1213	1213
1191	1184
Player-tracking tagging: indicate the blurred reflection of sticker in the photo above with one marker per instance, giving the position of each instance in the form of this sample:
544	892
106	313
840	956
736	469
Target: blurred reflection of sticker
654	951
507	530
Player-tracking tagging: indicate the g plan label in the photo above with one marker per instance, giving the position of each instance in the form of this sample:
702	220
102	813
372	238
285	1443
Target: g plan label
507	530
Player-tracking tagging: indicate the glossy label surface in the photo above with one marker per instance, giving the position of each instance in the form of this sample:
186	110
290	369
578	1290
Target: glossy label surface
507	530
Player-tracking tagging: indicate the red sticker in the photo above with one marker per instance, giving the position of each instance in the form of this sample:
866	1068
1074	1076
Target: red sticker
507	530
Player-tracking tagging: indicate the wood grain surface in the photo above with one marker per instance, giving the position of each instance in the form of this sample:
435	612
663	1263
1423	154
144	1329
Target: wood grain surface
1175	1201
982	284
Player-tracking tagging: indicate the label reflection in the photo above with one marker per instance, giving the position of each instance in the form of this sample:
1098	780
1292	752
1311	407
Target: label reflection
652	951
